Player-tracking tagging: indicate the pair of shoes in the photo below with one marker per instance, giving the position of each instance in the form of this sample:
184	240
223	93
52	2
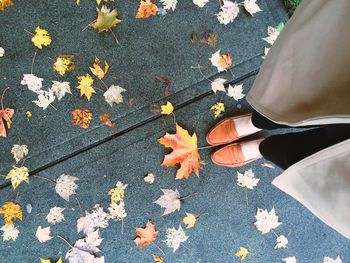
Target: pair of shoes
225	132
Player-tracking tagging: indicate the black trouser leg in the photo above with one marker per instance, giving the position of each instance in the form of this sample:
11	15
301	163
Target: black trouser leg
261	122
287	149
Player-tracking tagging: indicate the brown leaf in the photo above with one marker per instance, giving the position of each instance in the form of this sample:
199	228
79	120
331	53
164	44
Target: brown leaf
5	115
107	121
81	118
146	235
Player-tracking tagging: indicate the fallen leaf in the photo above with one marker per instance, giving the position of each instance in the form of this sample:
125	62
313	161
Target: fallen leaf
29	114
114	95
10	232
170	200
59	89
228	13
235	92
242	253
11	211
217	109
18	175
281	242
55	215
200	3
117	193
94	220
189	220
81	118
41	38
63	64
106	19
2	52
167	109
157	259
209	38
290	260
169	4
146	236
85	86
117	211
185	152
33	82
266	221
149	178
93	238
43	234
221	61
331	260
167	82
97	70
49	261
107	121
19	151
84	252
45	98
174	237
273	33
247	179
146	9
5	3
251	6
5	115
66	186
218	85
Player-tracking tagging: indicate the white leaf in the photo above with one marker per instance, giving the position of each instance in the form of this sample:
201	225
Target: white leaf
331	260
170	200
218	85
281	242
2	52
55	215
290	260
272	35
83	252
200	3
43	234
10	232
229	11
33	82
247	179
91	221
266	50
66	186
174	237
266	221
45	98
59	89
268	165
149	178
169	4
251	6
93	238
117	211
113	95
216	61
235	92
19	151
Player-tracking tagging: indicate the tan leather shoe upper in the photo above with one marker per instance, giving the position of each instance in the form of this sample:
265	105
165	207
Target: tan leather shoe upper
224	132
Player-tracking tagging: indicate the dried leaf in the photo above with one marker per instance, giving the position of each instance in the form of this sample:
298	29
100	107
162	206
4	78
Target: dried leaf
41	38
81	118
97	70
19	151
217	109
185	152
331	260
209	38
5	3
167	109
60	89
290	260
106	19
235	92
221	61
11	211
146	9
10	232
18	175
55	215
174	237
281	242
266	221
117	211
114	95
200	3
43	234
242	253
33	82
66	186
45	98
5	115
170	200
147	235
49	261
107	121
157	259
91	221
117	193
85	86
218	85
247	179
93	238
149	178
189	220
63	64
251	6
272	34
169	4
228	13
2	52
84	252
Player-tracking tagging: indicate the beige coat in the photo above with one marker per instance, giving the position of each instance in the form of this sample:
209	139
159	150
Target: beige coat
304	80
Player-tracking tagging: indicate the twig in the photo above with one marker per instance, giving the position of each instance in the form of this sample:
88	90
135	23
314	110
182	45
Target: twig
45	178
53	106
65	240
115	37
200	71
158	248
31	68
187	196
81	210
2	97
28	32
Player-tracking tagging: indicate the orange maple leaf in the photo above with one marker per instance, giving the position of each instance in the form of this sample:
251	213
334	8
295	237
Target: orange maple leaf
225	61
185	152
146	235
107	121
6	115
81	118
97	70
5	3
11	211
146	9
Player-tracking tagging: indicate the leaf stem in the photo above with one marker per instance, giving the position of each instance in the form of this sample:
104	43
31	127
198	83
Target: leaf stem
158	248
31	68
81	210
88	25
200	71
65	240
206	147
45	178
187	196
114	35
30	33
2	98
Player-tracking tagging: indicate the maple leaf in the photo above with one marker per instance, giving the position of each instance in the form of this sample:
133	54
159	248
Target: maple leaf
247	179
281	242
19	151
84	252
146	9
82	118
251	6
97	70
200	3
117	211
157	259
66	186
2	52
174	237
149	178
331	260
209	38
189	220
147	235
185	152
10	232
169	4
5	3
18	175
229	12
43	234
91	221
93	238
235	92
64	63
41	38
266	221
49	261
167	109
107	121
117	193
106	19
266	50
114	95
45	98
217	109
33	82
242	253
5	115
170	200
59	89
85	86
290	260
11	211
221	61
55	215
218	85
273	33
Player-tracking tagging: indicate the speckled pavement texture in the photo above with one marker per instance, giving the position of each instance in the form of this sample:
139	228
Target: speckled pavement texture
100	156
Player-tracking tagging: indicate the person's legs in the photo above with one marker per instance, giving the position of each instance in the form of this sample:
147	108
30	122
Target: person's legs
261	122
287	149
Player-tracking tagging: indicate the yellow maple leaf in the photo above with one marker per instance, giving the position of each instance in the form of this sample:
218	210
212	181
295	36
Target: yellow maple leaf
64	63
167	108
97	70
11	211
18	175
189	220
41	38
85	86
242	253
157	259
218	108
5	3
49	261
